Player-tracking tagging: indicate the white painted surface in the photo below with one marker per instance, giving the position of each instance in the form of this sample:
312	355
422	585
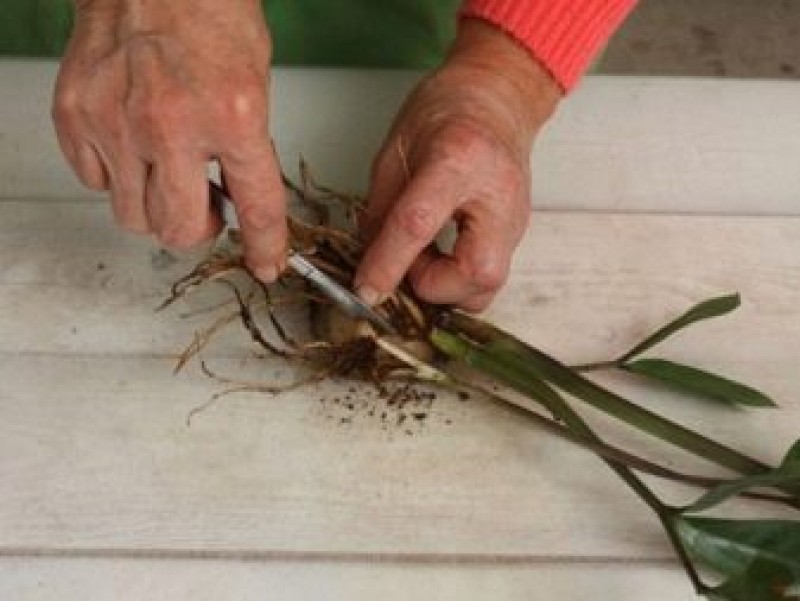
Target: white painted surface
96	459
106	493
140	580
620	143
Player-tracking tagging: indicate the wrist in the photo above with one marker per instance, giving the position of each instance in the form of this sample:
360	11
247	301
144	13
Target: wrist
486	54
488	49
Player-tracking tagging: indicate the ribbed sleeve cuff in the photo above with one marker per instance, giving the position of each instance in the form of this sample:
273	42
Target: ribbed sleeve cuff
564	35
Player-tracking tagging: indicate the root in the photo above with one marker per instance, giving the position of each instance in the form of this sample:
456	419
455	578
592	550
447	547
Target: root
276	324
358	354
209	309
202	338
236	386
246	317
215	267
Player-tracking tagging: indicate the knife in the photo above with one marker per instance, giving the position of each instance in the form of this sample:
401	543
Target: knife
343	298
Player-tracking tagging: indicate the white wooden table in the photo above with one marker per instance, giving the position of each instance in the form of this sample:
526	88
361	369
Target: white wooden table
656	194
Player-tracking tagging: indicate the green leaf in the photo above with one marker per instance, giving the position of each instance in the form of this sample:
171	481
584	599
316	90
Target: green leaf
699	382
762	581
731	546
723	492
538	365
786	477
714	307
792	459
533	363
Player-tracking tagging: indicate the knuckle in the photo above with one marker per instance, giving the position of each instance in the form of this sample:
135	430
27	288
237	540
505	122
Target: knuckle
416	220
65	104
511	181
488	276
244	106
464	145
259	216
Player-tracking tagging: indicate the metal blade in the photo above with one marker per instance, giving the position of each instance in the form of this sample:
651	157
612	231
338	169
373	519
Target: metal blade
341	296
344	299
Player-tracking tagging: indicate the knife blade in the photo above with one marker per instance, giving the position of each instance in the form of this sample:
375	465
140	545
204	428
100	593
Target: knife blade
343	298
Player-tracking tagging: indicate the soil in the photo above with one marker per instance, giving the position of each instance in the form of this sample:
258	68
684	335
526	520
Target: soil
397	407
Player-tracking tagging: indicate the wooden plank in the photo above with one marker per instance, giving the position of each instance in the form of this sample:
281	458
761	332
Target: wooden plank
585	285
96	454
619	143
99	580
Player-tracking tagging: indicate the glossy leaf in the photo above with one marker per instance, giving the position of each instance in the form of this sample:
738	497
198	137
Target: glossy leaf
792	457
536	364
731	546
542	366
714	307
762	581
785	477
699	382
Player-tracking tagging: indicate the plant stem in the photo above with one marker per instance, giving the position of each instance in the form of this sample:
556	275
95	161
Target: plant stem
602	448
427	373
538	364
538	390
598	366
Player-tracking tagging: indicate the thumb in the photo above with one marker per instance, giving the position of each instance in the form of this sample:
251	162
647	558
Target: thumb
412	223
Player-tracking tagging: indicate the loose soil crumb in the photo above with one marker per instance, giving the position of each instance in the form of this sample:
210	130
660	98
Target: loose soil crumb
401	407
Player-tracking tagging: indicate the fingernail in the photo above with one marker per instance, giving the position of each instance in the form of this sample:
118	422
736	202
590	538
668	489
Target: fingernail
267	274
369	295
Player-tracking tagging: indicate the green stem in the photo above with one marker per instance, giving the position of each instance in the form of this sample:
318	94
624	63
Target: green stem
538	364
538	390
603	449
598	366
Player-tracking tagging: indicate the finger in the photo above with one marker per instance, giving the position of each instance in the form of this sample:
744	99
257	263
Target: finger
477	303
89	167
65	141
127	173
128	193
256	188
423	208
177	203
76	146
477	268
388	177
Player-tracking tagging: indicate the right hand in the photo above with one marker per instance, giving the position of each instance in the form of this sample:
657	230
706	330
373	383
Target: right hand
149	92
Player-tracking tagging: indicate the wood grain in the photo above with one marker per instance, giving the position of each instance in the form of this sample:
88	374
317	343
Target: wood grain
108	493
99	580
96	454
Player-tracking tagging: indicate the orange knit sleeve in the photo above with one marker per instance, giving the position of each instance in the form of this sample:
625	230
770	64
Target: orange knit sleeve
564	35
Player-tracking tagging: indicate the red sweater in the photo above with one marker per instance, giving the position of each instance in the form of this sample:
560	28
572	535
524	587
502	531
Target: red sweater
564	35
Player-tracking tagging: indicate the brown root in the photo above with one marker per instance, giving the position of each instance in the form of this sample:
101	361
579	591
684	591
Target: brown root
340	346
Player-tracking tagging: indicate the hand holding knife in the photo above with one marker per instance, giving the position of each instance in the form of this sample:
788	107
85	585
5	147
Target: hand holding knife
346	300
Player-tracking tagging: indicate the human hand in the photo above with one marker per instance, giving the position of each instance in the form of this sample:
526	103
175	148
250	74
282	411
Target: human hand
149	92
460	150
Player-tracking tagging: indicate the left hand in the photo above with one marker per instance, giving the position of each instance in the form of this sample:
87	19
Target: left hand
459	149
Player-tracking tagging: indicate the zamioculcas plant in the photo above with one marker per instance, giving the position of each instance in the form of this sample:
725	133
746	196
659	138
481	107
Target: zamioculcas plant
755	560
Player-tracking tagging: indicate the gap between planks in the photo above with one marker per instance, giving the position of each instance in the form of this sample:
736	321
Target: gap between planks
266	555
